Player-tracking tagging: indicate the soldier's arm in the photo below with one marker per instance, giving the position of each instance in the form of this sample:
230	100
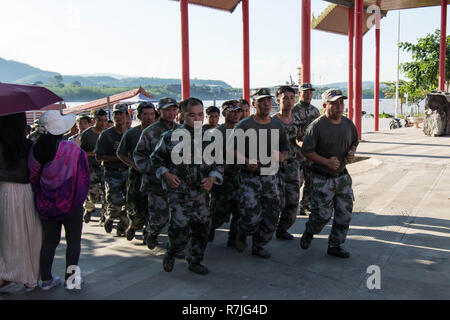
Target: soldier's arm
332	163
142	153
100	151
122	153
160	158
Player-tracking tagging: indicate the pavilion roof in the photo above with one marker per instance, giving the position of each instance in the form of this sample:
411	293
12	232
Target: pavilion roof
226	5
102	103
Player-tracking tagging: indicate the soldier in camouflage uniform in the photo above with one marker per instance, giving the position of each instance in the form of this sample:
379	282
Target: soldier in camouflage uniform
224	198
259	203
88	140
115	171
187	186
158	208
138	215
290	168
330	142
304	113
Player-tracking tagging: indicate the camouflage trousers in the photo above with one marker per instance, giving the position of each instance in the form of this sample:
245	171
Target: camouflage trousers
96	190
331	196
137	201
305	179
158	211
224	200
115	185
289	195
189	218
259	207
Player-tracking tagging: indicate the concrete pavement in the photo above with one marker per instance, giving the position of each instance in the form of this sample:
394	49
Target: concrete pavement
401	224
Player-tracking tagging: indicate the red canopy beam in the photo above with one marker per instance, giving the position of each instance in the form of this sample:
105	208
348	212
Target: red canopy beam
443	45
377	77
246	51
306	41
186	85
359	8
351	30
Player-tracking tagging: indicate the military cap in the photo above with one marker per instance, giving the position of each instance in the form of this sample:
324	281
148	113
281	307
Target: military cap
332	95
100	112
306	87
83	116
261	93
231	105
120	107
164	103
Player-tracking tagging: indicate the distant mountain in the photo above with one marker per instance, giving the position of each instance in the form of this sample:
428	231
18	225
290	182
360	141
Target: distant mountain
17	72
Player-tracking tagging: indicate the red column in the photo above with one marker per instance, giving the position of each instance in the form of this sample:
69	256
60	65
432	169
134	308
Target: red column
359	8
443	45
186	85
377	72
351	31
246	46
306	41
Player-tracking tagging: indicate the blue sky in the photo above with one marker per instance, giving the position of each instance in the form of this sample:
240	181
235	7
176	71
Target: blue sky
142	37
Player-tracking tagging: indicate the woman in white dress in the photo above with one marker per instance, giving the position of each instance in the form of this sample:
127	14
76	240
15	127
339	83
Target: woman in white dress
20	227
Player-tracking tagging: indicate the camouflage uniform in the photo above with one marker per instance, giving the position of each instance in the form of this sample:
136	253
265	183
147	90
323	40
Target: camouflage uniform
158	208
303	114
259	195
225	197
189	203
96	193
115	173
331	190
290	177
138	215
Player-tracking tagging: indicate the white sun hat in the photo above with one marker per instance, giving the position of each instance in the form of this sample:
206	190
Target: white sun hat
54	123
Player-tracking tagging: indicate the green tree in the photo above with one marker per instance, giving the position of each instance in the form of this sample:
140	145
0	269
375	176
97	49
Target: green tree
76	84
423	70
390	91
57	81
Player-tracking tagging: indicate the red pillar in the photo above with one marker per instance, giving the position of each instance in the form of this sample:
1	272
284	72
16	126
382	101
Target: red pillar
377	75
359	8
306	41
246	46
443	45
186	85
351	31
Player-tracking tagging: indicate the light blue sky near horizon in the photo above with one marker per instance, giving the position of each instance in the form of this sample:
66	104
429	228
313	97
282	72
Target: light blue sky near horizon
142	38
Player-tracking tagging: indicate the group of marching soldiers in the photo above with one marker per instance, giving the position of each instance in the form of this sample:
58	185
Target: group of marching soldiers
140	186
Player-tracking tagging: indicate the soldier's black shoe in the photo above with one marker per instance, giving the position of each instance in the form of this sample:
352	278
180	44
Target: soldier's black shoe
180	255
212	234
108	225
144	236
303	212
120	231
198	268
306	239
168	262
240	243
152	241
130	234
260	252
87	216
231	242
284	235
338	252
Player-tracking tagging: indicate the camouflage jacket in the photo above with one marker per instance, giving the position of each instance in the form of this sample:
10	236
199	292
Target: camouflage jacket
303	114
190	174
144	148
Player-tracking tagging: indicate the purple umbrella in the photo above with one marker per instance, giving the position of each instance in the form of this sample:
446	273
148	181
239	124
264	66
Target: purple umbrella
16	98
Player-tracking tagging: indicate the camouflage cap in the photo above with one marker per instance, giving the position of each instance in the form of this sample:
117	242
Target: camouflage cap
306	87
261	93
332	95
120	107
231	105
83	116
164	103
